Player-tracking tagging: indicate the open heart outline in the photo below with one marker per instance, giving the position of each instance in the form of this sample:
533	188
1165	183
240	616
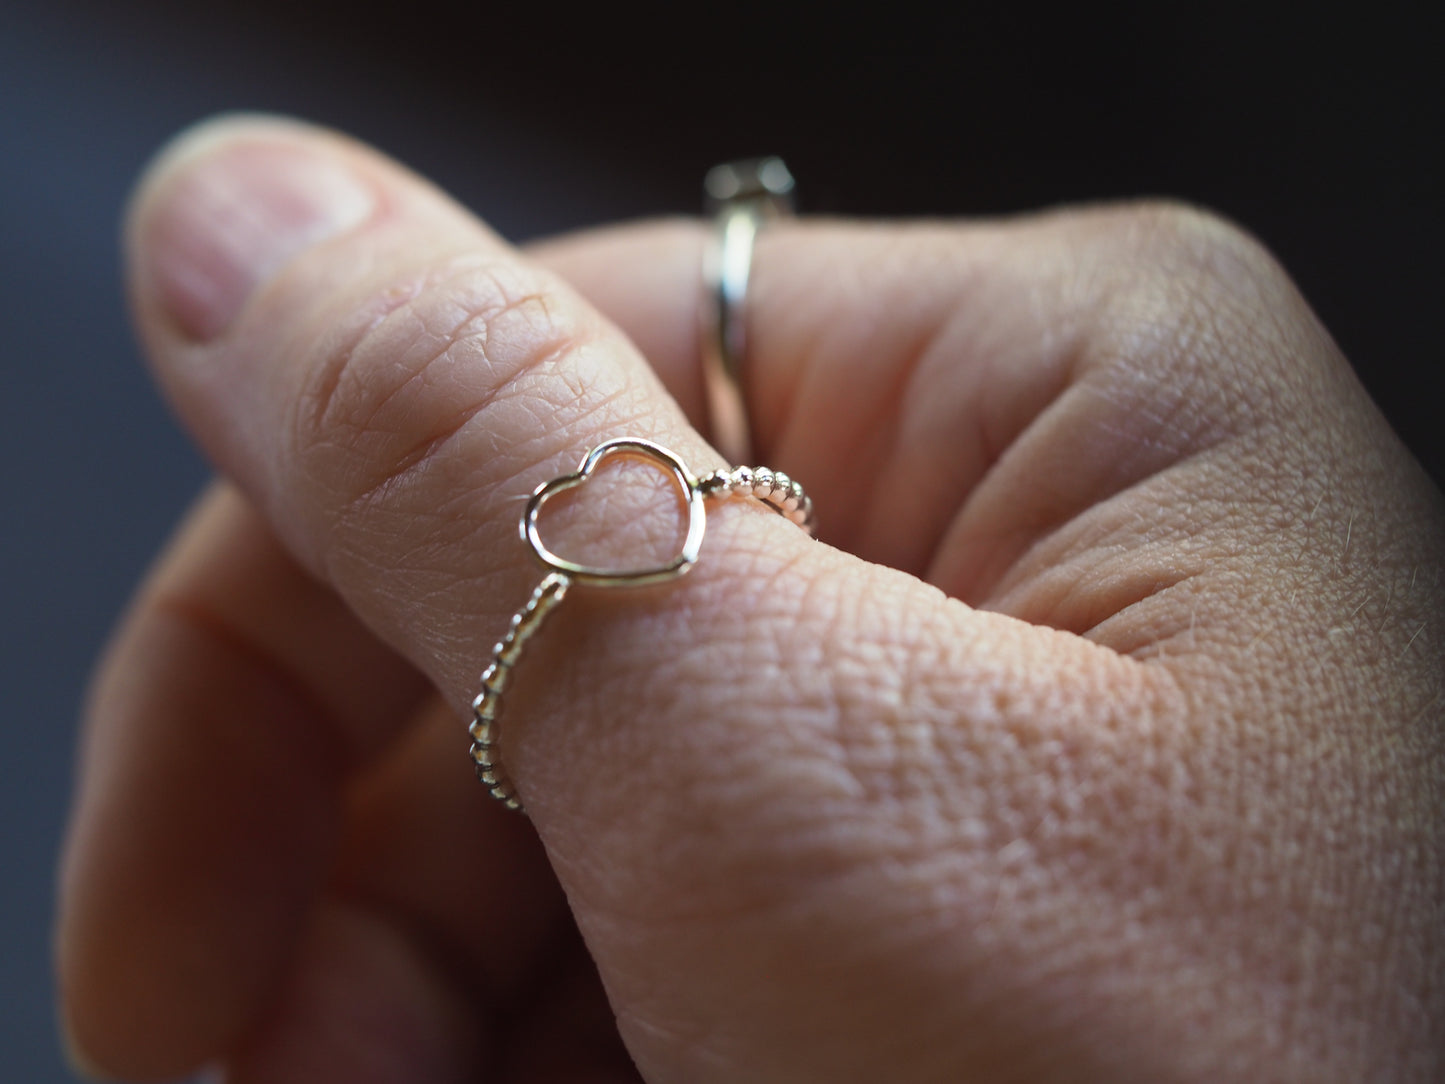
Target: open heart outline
634	448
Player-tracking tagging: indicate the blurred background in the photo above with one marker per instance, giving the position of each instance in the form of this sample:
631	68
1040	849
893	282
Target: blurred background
1318	127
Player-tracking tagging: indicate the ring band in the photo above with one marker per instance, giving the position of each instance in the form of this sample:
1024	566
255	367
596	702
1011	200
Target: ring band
742	197
773	488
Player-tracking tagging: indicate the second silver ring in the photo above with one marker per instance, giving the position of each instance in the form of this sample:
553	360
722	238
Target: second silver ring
741	197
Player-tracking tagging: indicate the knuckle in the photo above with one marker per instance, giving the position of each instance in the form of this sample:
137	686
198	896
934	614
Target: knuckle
1172	244
453	350
1198	317
1179	226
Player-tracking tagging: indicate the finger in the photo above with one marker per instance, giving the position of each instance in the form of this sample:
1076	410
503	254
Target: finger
219	729
850	373
1001	368
237	702
194	854
386	336
917	352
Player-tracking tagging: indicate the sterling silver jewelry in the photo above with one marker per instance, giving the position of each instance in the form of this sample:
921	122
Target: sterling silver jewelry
742	197
773	488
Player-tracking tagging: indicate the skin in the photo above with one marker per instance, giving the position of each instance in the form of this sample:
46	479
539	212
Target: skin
1098	738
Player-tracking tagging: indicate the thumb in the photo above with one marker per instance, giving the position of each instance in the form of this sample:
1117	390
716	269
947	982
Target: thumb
740	778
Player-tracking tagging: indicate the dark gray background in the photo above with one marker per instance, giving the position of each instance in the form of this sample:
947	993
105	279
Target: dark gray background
1319	135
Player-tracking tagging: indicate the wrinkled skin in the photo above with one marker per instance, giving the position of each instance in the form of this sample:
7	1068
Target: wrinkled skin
1099	737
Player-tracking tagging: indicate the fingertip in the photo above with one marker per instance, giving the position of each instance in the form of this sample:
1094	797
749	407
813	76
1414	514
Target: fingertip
228	202
209	134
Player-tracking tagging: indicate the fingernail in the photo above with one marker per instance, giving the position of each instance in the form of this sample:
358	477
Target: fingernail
228	209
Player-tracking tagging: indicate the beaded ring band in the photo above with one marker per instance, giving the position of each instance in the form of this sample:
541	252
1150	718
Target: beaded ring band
773	488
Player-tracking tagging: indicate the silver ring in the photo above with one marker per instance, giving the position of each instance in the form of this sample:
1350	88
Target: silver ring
741	197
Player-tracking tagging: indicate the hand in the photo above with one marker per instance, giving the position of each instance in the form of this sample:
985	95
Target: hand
1100	738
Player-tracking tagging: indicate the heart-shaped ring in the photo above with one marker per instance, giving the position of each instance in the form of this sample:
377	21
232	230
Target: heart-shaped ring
772	488
603	577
